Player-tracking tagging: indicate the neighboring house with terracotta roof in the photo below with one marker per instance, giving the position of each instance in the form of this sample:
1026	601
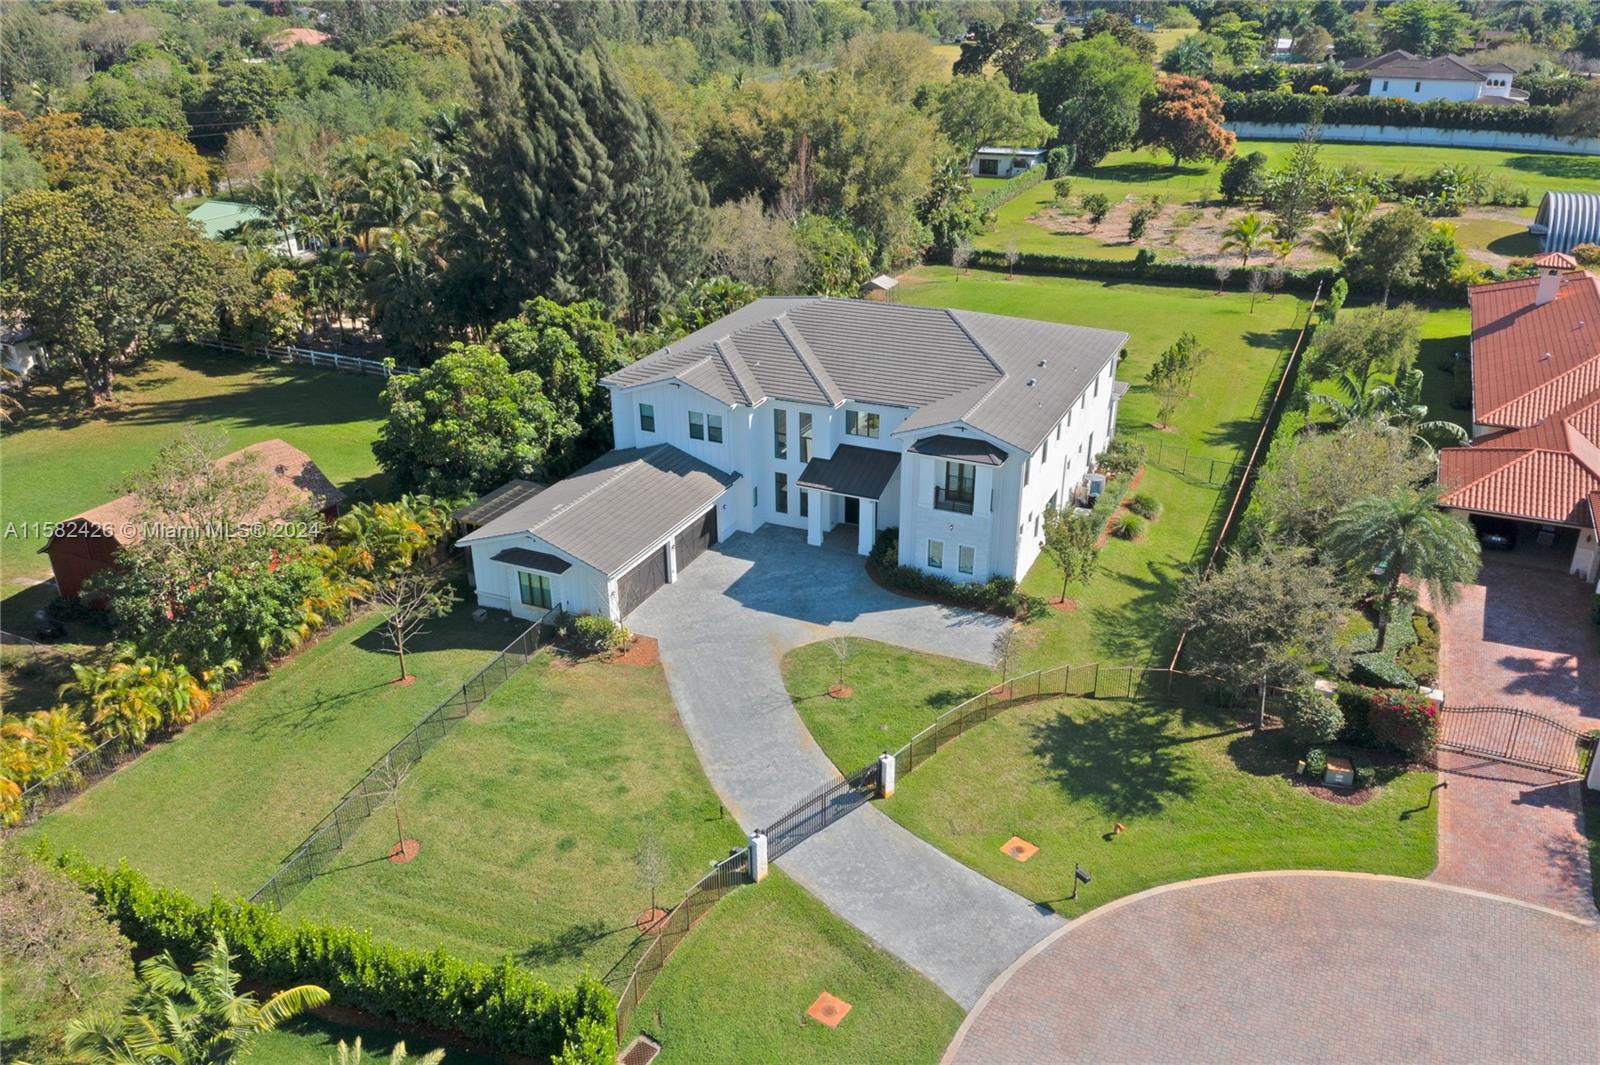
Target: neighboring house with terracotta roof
1535	456
957	428
87	543
1406	76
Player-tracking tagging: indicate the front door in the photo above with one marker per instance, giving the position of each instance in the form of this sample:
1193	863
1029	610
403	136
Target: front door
852	510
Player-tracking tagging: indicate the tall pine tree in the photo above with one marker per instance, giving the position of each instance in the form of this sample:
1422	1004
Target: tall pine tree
583	192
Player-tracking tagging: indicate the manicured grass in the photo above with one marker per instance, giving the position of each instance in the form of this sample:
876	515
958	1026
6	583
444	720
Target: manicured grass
1118	616
218	806
61	459
1500	236
314	1041
736	991
1145	173
529	815
1199	794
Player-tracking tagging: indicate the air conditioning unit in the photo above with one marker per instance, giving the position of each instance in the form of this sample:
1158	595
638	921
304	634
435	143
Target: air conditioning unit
1097	484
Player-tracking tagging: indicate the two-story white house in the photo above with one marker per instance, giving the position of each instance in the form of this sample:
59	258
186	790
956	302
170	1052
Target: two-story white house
836	417
1409	77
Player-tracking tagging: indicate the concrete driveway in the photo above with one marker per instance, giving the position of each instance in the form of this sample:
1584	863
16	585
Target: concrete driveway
1298	967
1520	637
723	627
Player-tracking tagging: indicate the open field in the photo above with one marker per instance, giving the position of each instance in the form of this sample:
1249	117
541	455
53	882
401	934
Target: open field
60	459
218	806
529	814
1118	617
1143	174
736	991
1199	792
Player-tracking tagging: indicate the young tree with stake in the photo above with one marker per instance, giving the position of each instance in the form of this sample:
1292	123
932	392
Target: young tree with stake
408	600
1069	540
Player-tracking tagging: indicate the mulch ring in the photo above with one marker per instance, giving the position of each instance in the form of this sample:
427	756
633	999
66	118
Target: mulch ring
1338	796
643	651
1133	486
651	919
841	691
1066	606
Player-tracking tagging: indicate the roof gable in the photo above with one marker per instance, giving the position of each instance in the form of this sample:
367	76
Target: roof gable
1530	360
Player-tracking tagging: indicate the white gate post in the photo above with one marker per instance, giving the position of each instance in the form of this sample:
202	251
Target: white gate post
885	775
758	857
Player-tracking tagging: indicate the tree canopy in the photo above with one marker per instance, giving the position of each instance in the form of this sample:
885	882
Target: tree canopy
1092	90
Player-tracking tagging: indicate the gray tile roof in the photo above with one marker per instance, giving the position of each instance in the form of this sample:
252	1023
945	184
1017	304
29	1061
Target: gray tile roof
614	509
1010	377
972	449
1402	64
852	471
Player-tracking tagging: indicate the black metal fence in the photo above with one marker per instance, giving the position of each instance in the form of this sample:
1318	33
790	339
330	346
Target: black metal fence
376	785
46	793
1191	465
821	809
1515	736
660	941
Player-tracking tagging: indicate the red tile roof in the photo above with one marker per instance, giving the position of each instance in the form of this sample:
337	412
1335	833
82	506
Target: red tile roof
1535	370
1523	353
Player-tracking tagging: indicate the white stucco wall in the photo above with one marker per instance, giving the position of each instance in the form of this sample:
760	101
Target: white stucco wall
1506	140
582	589
1423	90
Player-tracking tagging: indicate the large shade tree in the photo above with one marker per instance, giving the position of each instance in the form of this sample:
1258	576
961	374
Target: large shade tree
1092	91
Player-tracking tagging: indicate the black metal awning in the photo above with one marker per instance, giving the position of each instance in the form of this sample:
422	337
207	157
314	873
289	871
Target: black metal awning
959	449
539	560
852	471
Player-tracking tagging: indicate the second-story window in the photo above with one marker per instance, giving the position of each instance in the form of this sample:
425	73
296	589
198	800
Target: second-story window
860	423
780	433
956	493
805	437
697	425
647	417
714	428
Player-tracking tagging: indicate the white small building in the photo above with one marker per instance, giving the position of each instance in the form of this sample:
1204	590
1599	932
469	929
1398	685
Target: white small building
1004	162
20	352
837	417
1404	76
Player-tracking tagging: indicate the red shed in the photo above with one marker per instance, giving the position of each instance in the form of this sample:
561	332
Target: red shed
86	544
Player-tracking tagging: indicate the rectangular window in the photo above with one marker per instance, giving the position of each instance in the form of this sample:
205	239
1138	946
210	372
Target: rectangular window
780	433
1418	87
805	503
535	589
647	417
960	484
1058	429
1027	469
805	437
1044	451
988	167
965	556
861	423
936	554
780	488
697	425
714	428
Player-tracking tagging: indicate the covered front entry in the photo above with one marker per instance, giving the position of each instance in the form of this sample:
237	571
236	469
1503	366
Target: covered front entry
849	488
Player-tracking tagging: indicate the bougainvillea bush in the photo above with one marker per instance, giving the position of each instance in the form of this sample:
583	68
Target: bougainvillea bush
1406	721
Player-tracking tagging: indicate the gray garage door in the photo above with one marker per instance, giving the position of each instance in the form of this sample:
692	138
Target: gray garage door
694	540
636	585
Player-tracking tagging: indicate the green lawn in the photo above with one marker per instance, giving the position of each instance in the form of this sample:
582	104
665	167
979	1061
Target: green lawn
1199	794
1145	173
218	806
736	991
529	815
1118	617
60	459
314	1041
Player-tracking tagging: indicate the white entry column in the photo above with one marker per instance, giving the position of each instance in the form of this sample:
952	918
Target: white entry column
867	531
814	503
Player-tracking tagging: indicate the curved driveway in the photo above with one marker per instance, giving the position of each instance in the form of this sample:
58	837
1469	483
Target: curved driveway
1298	967
723	627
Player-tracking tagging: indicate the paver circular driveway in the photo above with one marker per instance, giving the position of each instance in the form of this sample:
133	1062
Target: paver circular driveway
1298	967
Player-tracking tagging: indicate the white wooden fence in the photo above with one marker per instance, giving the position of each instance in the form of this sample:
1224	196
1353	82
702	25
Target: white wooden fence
326	360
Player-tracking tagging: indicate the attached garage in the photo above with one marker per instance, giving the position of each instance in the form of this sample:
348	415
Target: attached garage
603	540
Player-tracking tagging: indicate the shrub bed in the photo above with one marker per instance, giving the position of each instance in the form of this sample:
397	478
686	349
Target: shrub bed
997	595
502	1006
1410	658
1406	721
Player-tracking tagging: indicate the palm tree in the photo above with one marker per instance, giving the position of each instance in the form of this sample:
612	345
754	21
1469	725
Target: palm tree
195	1019
1405	532
1342	235
1245	235
350	1054
1398	404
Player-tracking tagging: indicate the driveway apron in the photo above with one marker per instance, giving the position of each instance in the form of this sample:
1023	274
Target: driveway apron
723	627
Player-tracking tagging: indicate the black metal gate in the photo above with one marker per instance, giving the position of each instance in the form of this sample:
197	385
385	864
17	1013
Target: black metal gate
1514	736
822	809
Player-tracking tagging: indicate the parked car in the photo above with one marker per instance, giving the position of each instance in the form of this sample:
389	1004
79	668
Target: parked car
1496	535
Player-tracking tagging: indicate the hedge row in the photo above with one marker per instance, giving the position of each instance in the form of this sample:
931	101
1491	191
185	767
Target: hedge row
1297	108
1013	188
1145	267
502	1006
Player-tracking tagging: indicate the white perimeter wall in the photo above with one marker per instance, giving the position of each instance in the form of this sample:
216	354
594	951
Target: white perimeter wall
1504	140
